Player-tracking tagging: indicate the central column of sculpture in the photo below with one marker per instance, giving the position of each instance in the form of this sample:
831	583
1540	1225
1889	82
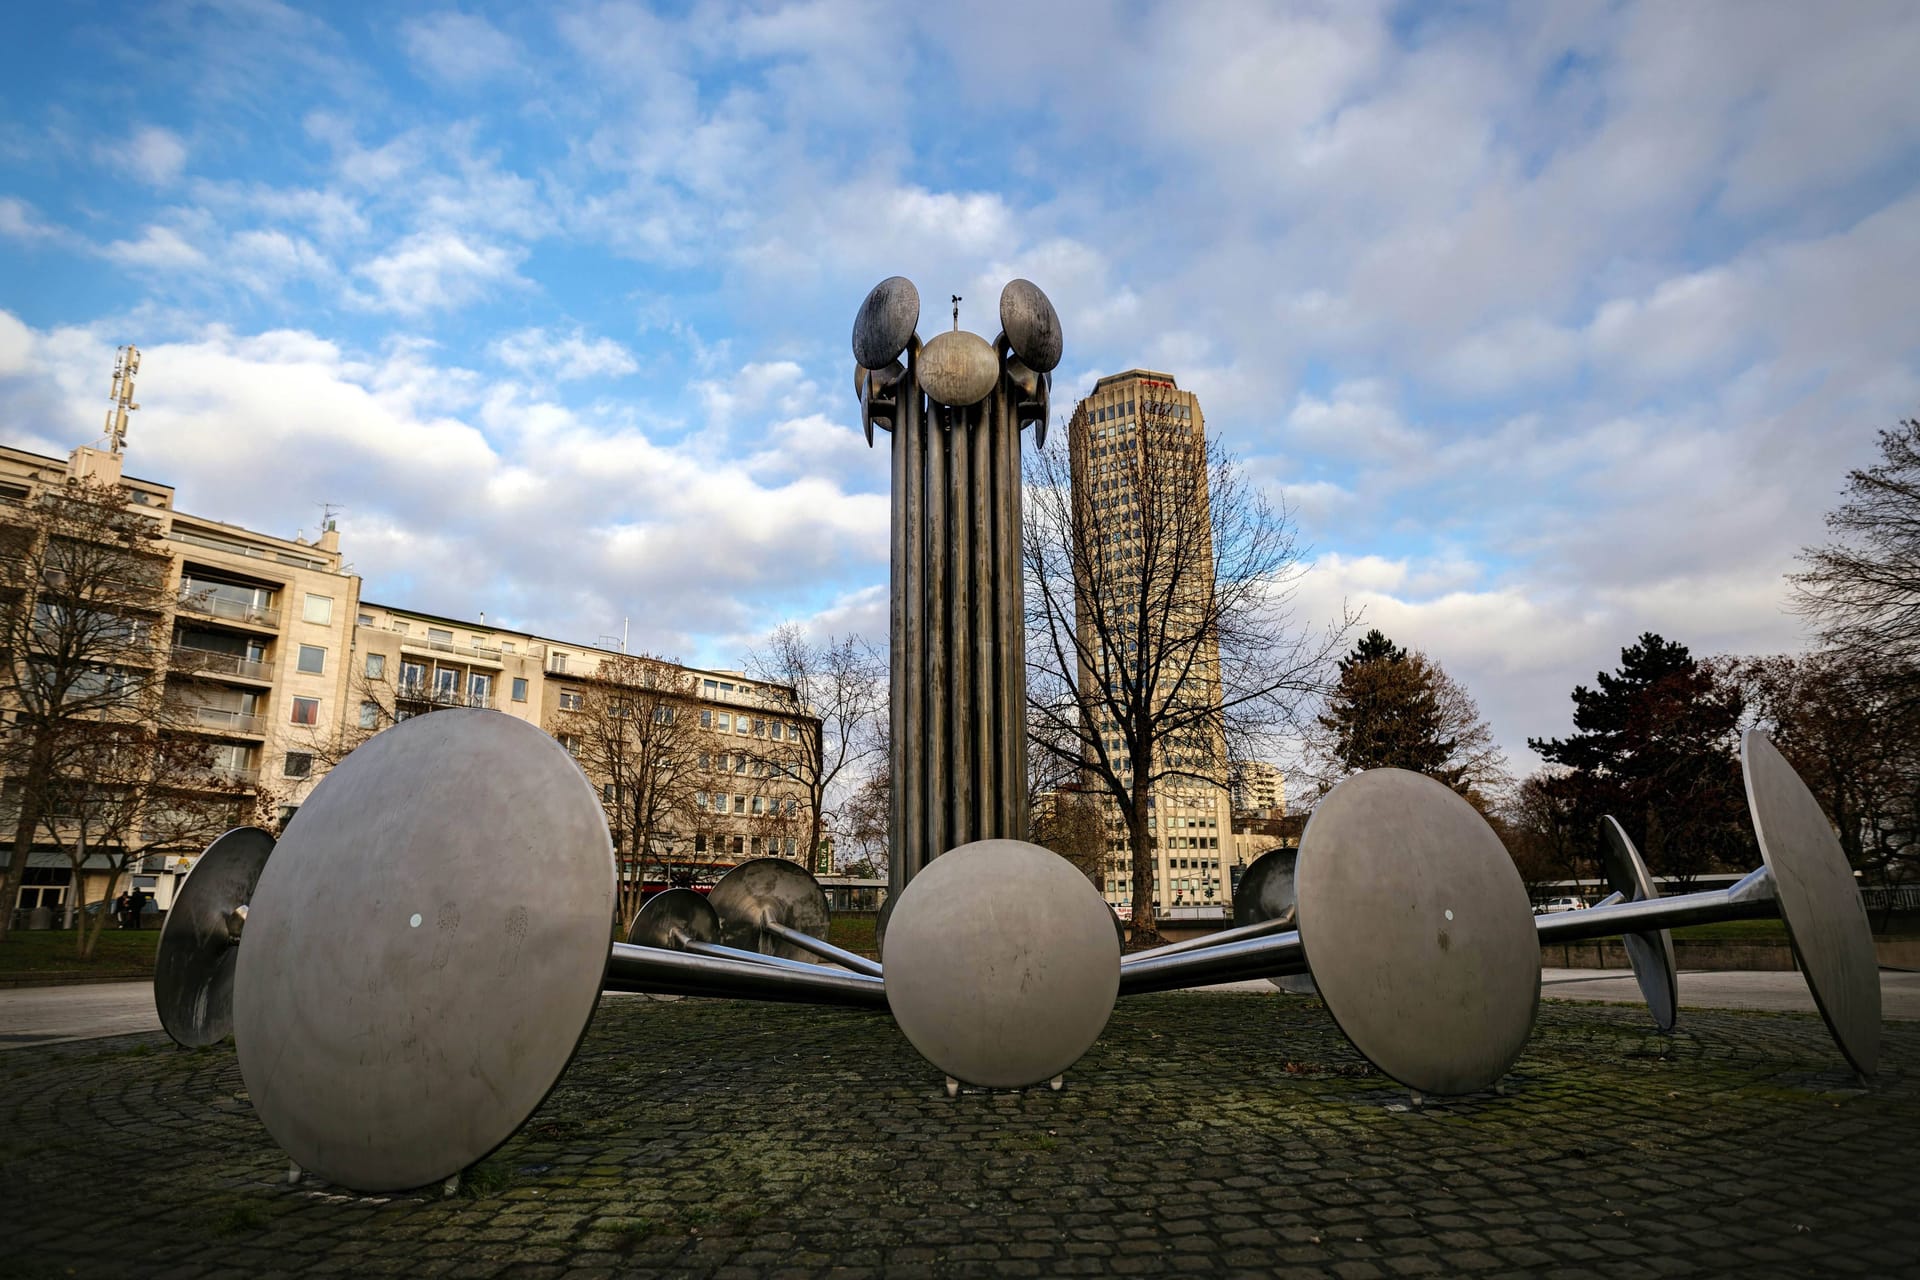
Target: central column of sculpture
955	407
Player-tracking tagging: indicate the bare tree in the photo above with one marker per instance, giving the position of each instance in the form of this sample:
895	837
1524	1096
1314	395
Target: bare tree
129	791
1160	635
83	599
1073	824
1862	590
637	735
838	688
1546	830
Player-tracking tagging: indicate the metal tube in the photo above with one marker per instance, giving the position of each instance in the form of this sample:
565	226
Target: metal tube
721	952
1258	929
1268	957
1751	899
825	950
651	969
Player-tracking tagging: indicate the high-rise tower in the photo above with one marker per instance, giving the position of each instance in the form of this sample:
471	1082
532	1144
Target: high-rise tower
1143	579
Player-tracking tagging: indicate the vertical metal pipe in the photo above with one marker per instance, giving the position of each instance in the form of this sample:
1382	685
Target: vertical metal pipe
1011	638
906	838
935	765
962	714
985	746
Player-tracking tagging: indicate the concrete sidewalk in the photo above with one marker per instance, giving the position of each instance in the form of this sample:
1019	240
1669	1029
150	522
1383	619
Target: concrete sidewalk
50	1015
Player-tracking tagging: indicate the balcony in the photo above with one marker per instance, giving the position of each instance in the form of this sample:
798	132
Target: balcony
467	653
222	720
187	658
203	601
442	697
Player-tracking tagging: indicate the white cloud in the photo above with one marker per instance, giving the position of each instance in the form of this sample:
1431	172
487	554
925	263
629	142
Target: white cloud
21	221
156	156
436	269
563	357
159	249
460	49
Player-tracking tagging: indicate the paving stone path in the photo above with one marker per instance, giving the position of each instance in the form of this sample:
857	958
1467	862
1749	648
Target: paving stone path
1205	1134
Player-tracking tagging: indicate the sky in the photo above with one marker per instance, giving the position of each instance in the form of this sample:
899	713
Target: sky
1549	324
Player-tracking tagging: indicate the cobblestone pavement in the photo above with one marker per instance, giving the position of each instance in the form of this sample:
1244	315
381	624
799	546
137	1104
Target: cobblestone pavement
1204	1134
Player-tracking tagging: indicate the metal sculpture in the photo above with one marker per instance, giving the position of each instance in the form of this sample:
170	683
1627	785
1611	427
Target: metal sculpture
955	407
194	962
427	946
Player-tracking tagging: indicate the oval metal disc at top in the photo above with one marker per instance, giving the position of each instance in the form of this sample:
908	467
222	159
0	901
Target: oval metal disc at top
194	963
1418	931
1650	954
1818	899
772	889
958	368
884	324
425	949
1000	964
1031	324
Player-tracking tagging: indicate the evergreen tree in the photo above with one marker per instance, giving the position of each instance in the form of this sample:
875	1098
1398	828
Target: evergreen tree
1655	746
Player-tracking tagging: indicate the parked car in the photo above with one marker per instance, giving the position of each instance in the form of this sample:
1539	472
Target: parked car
1561	904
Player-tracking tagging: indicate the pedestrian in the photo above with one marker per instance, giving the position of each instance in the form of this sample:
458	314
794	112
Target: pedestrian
135	905
120	910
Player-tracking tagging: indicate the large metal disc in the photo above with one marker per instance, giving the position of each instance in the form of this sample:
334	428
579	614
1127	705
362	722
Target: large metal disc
1818	899
193	967
884	324
424	950
1031	324
673	912
1418	931
769	889
1266	892
1650	954
1001	968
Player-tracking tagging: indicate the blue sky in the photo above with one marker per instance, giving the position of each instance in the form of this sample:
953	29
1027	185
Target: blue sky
1552	323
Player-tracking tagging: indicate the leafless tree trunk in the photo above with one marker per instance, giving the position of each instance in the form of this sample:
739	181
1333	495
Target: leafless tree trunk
84	604
636	733
1161	637
839	690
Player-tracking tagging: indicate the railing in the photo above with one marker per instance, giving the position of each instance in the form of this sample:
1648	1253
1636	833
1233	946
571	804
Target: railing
446	646
204	601
1901	897
196	659
442	697
244	775
256	553
221	718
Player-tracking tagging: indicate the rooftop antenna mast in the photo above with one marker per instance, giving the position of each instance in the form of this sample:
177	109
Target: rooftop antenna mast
125	365
328	510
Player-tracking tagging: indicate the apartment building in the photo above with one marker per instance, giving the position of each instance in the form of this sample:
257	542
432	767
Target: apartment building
1259	789
273	658
1138	428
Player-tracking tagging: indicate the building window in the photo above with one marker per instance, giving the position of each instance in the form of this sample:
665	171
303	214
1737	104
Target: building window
700	842
318	609
739	804
759	805
413	677
306	711
739	844
313	659
376	666
557	661
299	764
439	635
723	722
519	689
363	620
479	689
759	728
699	799
572	744
286	814
369	715
571	700
506	646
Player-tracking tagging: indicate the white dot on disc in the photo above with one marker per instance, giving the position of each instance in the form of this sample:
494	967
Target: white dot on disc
1449	916
413	922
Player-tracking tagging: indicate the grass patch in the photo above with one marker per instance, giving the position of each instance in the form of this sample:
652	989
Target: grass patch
488	1178
239	1220
123	953
853	933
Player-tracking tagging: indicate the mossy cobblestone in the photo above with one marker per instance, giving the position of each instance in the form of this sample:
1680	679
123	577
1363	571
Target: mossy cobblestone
1204	1134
